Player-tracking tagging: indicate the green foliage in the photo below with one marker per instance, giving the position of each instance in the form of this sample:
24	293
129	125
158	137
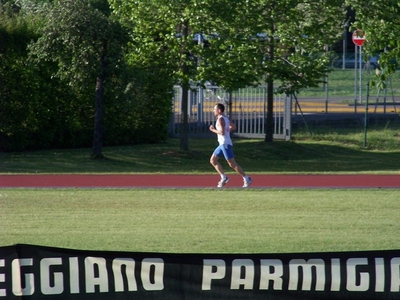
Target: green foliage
233	54
379	21
239	36
72	37
41	111
234	43
141	112
158	37
37	112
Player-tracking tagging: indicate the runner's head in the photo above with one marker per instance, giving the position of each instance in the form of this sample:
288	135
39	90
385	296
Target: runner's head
219	109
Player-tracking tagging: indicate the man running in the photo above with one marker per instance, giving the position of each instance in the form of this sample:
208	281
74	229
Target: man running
222	128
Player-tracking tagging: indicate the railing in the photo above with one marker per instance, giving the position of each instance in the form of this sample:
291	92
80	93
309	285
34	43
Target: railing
245	107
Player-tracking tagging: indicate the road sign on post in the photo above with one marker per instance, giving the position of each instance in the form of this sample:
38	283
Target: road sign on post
358	37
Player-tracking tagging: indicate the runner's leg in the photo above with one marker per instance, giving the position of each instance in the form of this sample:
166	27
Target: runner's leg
214	161
234	165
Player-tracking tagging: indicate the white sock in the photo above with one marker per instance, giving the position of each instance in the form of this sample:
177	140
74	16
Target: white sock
223	176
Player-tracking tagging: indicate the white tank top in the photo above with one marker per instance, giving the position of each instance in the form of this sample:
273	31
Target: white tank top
224	139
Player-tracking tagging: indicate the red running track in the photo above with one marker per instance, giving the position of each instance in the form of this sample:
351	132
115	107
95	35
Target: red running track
197	181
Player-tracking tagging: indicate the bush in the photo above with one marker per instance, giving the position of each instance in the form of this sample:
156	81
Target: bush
41	112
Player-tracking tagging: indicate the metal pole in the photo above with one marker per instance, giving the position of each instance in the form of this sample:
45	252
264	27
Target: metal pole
384	101
326	88
344	47
230	105
355	79
301	112
326	94
391	89
288	117
366	117
264	109
360	75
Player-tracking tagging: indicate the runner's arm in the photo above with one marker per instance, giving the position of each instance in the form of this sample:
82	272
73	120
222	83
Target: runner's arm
232	126
221	123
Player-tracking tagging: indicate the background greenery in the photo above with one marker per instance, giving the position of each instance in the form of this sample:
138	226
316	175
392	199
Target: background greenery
341	84
40	110
46	68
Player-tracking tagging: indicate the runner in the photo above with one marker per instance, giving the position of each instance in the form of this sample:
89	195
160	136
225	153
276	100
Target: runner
222	128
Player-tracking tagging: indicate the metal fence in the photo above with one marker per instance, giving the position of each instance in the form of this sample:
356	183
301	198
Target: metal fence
245	107
348	100
340	103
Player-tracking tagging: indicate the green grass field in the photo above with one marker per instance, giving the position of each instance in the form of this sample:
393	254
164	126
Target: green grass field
209	220
202	221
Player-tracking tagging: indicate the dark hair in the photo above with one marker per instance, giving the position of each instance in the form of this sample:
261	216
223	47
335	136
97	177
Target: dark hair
220	106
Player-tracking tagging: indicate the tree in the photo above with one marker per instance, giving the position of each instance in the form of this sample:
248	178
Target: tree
245	42
299	58
379	21
25	112
163	36
189	43
86	44
282	42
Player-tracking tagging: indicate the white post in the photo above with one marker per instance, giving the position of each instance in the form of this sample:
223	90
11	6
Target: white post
360	75
355	79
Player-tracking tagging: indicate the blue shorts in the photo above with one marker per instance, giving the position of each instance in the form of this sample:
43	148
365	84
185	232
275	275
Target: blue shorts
224	150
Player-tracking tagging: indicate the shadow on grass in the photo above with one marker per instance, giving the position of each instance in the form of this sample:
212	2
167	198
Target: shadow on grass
255	156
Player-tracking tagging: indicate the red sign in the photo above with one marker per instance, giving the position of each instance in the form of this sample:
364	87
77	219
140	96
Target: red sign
358	37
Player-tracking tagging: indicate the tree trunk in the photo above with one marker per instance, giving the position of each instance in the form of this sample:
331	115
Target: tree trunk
184	132
269	132
269	135
99	108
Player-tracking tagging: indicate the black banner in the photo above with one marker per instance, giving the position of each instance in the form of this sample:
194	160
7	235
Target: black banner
37	272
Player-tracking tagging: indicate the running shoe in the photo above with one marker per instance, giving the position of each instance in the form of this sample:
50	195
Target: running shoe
222	182
246	183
